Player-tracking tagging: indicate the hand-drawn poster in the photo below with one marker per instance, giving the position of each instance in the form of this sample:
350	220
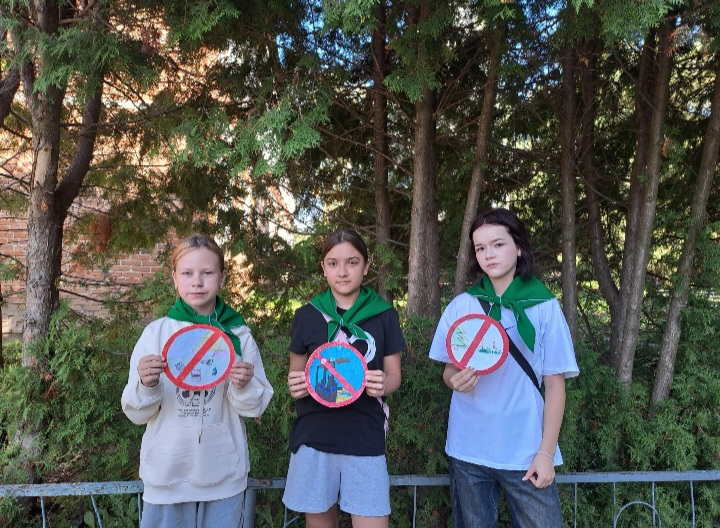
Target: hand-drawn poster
335	374
477	341
199	357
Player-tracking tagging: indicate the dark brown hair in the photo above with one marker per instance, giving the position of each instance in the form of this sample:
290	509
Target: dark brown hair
345	235
526	261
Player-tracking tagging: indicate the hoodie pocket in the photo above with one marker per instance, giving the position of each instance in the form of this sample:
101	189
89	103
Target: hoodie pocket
176	456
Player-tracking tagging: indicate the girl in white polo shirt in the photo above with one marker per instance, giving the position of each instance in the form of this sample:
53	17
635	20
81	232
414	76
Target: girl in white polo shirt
501	434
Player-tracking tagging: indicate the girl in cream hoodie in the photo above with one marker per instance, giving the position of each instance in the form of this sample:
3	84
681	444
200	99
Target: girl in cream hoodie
194	459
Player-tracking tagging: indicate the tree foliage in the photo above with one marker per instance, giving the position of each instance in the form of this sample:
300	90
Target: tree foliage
255	122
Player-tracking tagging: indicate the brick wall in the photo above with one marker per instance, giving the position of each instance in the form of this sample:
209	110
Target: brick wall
85	289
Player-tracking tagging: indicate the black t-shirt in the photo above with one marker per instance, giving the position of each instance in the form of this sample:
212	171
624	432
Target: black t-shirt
358	428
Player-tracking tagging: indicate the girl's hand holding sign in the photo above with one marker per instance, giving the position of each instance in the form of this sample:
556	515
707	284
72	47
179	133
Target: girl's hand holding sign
460	380
296	384
375	383
241	373
150	368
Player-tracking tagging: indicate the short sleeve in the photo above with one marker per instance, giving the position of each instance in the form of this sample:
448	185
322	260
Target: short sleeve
438	351
297	344
394	340
308	330
558	352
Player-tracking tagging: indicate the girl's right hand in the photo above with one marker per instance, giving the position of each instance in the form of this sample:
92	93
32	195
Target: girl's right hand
149	368
463	380
296	384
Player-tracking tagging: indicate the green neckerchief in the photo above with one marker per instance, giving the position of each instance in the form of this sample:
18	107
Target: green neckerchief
223	318
521	294
367	305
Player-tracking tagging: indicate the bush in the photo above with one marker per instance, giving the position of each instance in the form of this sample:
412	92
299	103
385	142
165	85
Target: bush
72	394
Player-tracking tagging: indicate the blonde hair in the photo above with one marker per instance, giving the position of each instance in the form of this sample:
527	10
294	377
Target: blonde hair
194	242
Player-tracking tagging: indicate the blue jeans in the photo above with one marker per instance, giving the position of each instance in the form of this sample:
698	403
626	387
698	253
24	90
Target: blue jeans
475	491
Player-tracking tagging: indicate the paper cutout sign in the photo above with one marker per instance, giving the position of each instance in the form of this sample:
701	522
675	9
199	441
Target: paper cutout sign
335	374
477	341
198	357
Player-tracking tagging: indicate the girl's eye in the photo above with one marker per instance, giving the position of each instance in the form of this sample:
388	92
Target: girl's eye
186	273
330	263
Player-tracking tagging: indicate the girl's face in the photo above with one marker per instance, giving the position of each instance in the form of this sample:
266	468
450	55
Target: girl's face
497	254
344	268
198	279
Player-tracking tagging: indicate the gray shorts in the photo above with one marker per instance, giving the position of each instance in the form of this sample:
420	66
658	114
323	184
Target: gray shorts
227	513
360	485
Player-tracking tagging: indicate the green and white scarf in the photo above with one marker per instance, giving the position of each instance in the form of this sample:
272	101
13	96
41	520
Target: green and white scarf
520	294
367	305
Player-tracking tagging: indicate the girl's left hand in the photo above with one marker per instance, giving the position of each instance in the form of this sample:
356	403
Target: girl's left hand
241	373
375	383
541	472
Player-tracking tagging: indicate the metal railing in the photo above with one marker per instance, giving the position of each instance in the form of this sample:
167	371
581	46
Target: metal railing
94	489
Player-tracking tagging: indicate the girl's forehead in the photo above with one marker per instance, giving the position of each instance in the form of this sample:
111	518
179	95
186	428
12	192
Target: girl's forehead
199	257
489	232
343	250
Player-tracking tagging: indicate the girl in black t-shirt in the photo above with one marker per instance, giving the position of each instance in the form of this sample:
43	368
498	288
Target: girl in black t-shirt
338	454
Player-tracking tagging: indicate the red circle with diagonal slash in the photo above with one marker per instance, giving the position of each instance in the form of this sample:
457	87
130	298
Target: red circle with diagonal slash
215	335
353	355
487	323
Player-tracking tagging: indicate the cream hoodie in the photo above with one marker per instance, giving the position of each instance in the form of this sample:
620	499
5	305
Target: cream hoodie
194	447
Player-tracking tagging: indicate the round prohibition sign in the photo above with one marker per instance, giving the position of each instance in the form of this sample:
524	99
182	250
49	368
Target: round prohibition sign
198	356
335	374
477	341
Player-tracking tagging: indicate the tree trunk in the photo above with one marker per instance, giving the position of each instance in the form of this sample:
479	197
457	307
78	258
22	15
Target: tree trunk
634	289
477	180
49	200
8	86
679	296
600	264
643	96
41	281
567	178
381	151
424	272
41	289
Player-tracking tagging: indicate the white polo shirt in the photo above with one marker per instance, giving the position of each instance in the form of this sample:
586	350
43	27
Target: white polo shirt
499	422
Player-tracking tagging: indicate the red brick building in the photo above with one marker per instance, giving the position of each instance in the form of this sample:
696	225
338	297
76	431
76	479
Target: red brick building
85	289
